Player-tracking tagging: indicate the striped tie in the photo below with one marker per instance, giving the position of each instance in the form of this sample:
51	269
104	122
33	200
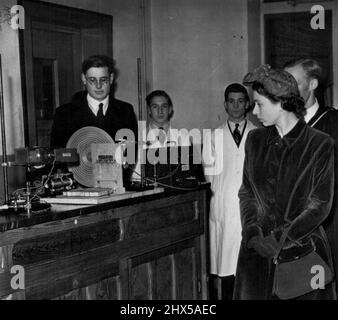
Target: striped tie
237	135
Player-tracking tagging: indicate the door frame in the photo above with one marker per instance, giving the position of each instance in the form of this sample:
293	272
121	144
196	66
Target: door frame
287	7
26	61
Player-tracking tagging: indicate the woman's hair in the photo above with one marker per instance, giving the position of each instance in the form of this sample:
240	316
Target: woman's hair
291	103
160	93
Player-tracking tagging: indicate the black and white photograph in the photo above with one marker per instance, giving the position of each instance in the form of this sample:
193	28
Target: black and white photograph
169	155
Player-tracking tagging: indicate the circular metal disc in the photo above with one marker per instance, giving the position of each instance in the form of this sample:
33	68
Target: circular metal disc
82	140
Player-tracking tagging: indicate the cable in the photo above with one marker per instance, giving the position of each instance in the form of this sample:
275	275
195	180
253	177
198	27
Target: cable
35	195
170	186
160	178
167	185
170	174
23	189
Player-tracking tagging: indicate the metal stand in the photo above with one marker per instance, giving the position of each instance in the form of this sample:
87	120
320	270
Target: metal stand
3	137
140	116
5	164
28	200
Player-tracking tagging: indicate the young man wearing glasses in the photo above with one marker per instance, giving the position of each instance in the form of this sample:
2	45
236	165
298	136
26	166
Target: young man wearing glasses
96	106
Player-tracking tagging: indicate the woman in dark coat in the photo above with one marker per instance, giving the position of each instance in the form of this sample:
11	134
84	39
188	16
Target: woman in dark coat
287	184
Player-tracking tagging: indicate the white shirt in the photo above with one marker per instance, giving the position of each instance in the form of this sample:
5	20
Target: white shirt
310	112
165	126
154	131
94	104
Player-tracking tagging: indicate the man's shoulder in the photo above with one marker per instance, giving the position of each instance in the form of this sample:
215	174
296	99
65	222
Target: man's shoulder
326	114
332	114
328	122
66	108
77	100
221	126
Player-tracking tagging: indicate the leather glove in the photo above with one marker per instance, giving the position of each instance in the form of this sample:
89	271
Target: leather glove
266	247
288	243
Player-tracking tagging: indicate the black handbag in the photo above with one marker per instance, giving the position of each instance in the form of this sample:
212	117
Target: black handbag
293	277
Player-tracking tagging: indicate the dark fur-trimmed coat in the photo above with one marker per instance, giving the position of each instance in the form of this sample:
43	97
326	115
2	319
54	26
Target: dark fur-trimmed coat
286	181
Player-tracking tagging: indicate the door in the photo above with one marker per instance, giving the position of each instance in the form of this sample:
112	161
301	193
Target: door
56	40
290	36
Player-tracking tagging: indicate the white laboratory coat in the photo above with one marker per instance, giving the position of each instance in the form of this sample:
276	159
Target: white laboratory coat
224	220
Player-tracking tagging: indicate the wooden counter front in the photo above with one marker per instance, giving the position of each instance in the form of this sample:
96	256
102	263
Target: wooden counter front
152	248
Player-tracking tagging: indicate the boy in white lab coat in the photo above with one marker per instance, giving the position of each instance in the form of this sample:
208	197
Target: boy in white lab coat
159	132
226	151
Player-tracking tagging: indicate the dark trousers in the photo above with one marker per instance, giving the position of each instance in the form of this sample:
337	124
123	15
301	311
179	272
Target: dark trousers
221	288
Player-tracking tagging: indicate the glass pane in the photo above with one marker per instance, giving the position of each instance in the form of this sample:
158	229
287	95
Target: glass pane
289	36
44	94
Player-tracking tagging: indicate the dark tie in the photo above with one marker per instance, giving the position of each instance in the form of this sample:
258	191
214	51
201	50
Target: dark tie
100	115
237	135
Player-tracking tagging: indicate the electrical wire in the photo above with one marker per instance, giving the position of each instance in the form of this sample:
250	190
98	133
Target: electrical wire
160	178
170	174
166	185
171	186
35	195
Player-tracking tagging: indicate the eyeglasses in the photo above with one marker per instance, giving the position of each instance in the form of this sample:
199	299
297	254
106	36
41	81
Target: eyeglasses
157	106
102	81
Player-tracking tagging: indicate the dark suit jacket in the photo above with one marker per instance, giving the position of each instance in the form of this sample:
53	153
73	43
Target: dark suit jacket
77	114
326	120
297	191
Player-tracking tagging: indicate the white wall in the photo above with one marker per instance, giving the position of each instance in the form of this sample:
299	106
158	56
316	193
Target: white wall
198	48
12	97
11	77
